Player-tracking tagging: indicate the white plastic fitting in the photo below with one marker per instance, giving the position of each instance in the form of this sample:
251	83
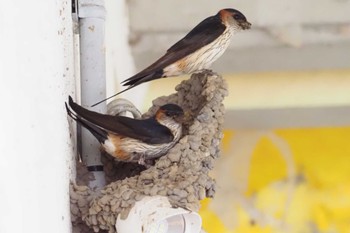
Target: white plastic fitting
121	107
156	215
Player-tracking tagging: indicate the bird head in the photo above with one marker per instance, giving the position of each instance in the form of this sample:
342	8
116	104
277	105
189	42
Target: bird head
234	18
170	111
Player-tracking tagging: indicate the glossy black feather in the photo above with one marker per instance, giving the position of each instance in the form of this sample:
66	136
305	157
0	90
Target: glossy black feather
147	130
203	34
100	134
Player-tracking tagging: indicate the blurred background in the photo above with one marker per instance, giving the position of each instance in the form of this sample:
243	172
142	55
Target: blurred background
285	164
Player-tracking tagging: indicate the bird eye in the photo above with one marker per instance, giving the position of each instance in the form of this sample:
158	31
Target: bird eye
238	17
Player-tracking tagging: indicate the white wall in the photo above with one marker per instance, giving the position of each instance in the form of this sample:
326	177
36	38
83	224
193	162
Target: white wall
36	72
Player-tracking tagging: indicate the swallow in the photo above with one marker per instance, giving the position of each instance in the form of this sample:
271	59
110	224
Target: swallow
128	139
203	45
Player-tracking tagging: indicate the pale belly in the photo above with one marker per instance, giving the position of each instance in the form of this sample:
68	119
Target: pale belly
131	149
202	58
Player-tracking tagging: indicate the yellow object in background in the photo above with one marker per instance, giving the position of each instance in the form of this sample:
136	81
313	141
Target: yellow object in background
317	199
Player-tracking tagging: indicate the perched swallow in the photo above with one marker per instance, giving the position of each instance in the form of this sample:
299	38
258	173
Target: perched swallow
196	51
132	140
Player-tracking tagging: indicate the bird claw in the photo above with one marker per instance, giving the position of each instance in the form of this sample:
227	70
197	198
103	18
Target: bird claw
207	71
204	71
142	161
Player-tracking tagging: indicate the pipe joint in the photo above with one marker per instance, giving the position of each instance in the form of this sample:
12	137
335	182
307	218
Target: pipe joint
92	9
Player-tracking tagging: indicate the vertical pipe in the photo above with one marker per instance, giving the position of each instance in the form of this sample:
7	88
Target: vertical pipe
93	78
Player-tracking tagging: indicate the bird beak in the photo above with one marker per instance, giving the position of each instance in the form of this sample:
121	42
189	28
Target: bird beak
183	118
245	25
186	116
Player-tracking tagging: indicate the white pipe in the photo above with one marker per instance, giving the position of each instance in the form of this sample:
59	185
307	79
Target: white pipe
93	77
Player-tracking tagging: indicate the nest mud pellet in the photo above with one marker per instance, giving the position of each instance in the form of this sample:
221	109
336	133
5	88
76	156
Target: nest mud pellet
181	174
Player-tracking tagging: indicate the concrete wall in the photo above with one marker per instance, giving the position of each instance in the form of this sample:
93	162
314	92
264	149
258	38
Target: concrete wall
37	74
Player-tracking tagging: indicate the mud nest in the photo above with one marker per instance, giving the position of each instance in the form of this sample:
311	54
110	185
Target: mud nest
181	174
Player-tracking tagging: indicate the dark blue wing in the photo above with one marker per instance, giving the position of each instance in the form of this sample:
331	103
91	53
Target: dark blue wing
148	130
204	33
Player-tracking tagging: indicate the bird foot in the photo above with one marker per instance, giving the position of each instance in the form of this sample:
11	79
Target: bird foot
204	71
142	161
